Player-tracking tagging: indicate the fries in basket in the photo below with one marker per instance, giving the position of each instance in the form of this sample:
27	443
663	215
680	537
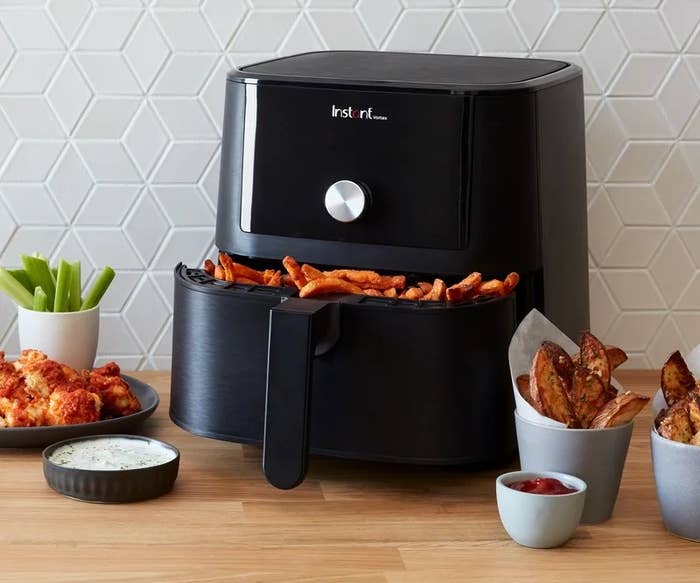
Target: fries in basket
312	282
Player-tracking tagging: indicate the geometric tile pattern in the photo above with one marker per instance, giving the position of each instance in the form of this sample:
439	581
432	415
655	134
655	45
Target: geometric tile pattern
110	128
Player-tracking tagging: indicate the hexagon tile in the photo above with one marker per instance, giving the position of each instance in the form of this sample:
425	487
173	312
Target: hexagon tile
110	126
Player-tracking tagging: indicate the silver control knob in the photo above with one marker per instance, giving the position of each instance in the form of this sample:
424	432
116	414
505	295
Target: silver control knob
345	201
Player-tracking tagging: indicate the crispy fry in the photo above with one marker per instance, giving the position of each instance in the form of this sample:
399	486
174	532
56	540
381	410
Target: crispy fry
562	362
465	289
267	274
244	271
311	273
695	440
588	395
676	379
427	287
622	409
247	281
511	280
276	279
287	280
227	263
391	293
328	285
493	287
437	291
220	272
209	267
412	293
370	291
366	278
594	357
294	271
548	392
676	425
523	384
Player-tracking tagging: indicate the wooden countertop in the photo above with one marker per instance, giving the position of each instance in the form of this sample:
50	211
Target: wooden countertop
350	521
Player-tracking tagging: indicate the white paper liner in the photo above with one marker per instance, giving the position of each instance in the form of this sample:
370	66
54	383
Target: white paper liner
693	362
529	336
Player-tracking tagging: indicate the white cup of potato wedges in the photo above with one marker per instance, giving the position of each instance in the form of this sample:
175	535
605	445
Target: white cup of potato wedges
595	421
675	449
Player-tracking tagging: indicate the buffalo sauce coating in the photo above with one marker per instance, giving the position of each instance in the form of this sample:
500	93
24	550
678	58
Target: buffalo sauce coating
549	486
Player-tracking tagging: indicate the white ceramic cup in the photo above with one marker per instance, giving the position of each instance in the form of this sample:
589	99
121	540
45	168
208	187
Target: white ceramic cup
67	337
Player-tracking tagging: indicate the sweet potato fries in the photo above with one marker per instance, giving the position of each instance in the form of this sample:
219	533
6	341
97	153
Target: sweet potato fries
312	282
576	389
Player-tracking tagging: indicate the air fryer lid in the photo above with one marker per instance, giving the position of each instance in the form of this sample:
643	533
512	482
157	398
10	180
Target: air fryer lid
407	70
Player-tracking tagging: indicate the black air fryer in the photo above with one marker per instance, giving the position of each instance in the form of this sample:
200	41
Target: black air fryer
430	165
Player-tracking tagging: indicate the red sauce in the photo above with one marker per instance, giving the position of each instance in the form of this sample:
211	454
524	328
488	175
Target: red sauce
550	486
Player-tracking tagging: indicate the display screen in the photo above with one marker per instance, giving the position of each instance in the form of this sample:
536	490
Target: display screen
407	149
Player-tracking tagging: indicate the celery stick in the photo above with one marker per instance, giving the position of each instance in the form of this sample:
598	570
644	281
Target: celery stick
98	289
62	287
15	289
21	276
40	275
74	299
40	300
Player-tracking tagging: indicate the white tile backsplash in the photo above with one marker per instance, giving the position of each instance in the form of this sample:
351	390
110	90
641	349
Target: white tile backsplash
110	125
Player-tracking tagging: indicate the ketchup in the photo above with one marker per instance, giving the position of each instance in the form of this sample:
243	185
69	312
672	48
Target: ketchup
550	486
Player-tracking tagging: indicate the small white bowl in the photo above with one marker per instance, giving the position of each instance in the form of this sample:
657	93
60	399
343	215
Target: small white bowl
67	337
540	521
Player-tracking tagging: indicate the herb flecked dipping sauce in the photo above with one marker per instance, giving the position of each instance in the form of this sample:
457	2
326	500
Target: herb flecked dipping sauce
112	453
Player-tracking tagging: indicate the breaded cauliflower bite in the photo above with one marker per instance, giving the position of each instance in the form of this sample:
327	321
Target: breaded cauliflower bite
70	407
117	398
35	391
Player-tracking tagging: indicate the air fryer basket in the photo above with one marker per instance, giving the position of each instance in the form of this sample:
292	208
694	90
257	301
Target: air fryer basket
349	376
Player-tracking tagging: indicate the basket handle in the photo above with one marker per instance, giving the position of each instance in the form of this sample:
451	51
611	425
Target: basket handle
299	330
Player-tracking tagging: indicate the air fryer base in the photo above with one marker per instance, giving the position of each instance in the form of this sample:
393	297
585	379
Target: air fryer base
407	382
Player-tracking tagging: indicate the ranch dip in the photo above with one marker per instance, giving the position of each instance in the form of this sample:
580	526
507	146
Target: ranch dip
111	453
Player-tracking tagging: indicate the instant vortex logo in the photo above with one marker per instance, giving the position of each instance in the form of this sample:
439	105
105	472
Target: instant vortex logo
350	112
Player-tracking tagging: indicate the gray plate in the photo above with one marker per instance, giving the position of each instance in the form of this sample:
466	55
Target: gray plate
43	436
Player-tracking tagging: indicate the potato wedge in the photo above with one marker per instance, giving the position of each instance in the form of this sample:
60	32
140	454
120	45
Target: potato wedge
594	357
328	285
676	379
695	440
587	395
523	383
391	293
622	409
562	362
676	425
548	392
616	356
694	411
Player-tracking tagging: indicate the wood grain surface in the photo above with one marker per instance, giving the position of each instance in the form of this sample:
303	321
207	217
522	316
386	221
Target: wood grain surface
350	521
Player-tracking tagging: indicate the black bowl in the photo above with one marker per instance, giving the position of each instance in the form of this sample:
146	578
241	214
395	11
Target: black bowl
111	486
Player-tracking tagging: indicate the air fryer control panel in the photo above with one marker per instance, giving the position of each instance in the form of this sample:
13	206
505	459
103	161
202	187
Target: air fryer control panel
358	166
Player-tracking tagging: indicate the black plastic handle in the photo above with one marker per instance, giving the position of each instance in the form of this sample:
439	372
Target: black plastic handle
299	329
